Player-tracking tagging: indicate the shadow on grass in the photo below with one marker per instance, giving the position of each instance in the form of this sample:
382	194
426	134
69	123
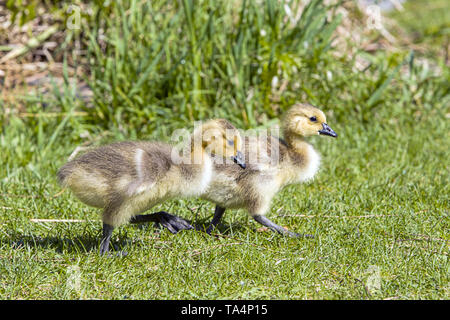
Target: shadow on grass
91	243
84	243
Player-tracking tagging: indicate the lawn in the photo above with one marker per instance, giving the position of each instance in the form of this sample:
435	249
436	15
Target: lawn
378	208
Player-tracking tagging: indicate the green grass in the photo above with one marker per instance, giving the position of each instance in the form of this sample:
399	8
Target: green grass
380	201
378	208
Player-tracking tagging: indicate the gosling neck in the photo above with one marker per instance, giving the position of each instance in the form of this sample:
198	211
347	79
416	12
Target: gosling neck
303	158
295	142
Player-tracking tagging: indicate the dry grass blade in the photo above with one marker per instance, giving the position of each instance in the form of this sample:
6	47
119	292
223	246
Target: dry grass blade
338	217
9	208
32	43
58	220
50	114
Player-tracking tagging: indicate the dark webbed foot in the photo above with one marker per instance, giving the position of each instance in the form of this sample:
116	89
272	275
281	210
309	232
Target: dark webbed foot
106	238
173	223
266	222
218	214
167	220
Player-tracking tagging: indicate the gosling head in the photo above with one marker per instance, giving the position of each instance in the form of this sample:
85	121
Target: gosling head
220	138
304	120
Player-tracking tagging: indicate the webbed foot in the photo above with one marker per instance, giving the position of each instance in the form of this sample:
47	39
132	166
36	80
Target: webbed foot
167	220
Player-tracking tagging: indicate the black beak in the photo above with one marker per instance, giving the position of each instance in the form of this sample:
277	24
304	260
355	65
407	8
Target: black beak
239	159
327	131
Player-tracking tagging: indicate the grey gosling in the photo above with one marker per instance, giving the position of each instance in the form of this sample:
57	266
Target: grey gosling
128	178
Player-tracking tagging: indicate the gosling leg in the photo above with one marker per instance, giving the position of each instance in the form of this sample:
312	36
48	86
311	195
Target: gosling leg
266	222
218	214
107	233
170	221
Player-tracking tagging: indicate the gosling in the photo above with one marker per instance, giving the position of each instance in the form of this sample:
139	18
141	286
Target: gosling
128	178
290	161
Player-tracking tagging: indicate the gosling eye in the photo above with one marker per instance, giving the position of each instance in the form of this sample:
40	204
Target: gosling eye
313	119
230	142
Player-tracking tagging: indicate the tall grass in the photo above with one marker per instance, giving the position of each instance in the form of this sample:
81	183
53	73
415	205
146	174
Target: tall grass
158	65
164	64
186	60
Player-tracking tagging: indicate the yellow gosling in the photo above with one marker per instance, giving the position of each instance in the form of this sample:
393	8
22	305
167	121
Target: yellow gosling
272	163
